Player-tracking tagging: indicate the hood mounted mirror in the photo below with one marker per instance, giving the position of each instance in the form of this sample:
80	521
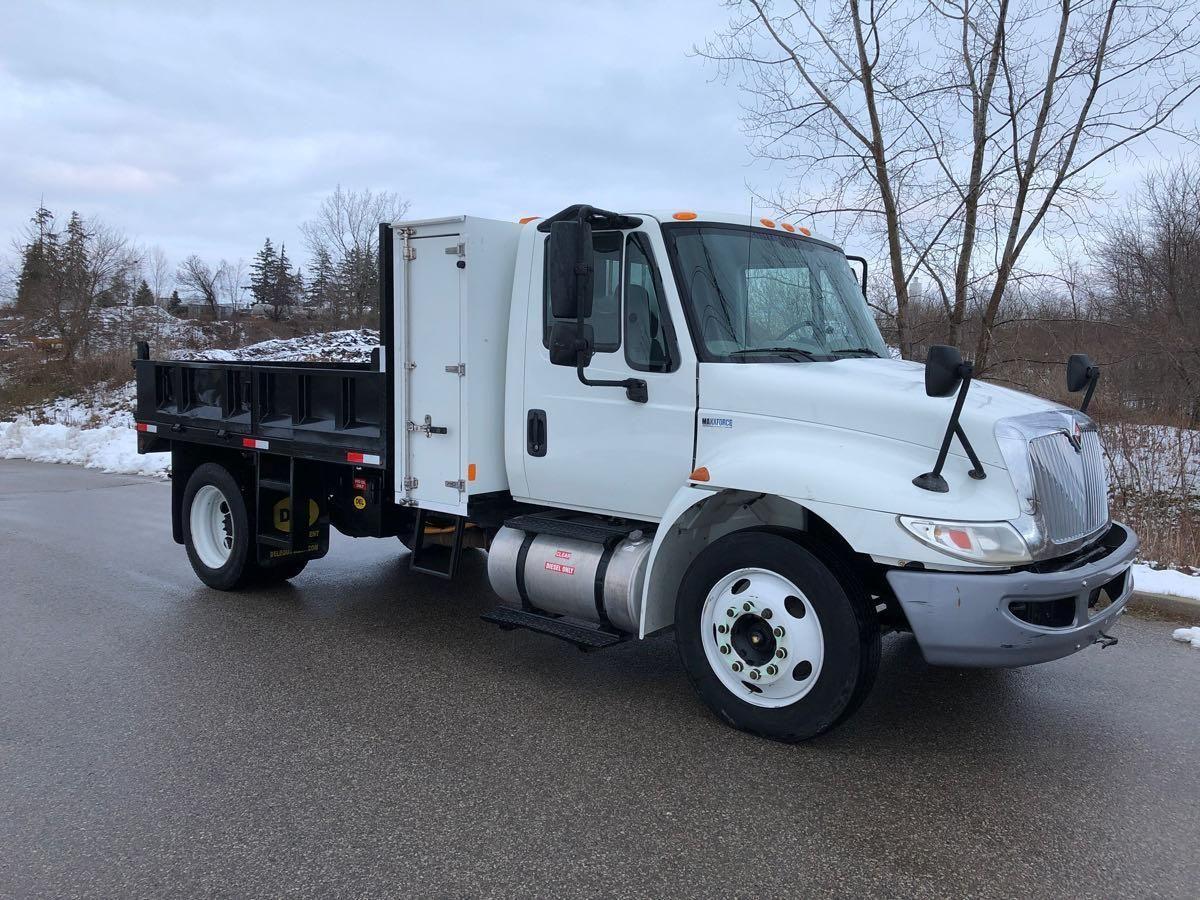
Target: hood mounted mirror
945	373
1082	373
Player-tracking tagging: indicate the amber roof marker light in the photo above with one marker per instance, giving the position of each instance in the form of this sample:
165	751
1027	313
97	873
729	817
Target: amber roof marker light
684	216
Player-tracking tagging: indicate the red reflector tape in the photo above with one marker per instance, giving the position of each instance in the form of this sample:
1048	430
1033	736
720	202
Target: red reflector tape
369	459
142	426
255	444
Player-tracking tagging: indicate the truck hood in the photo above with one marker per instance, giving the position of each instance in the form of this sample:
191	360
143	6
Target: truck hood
874	396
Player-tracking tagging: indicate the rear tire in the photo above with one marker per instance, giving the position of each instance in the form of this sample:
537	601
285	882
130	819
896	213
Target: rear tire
217	531
751	595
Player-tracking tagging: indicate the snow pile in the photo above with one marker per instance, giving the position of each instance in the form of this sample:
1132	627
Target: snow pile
111	448
354	345
119	327
1166	581
1188	636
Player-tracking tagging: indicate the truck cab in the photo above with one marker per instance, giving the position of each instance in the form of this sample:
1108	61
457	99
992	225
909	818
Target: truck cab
669	421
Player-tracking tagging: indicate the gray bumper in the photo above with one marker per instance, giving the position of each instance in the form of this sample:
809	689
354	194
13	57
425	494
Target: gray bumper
967	619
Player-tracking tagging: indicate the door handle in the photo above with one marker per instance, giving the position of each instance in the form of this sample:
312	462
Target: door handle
535	432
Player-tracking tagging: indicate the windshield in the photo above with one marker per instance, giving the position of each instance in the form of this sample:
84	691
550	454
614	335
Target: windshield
754	296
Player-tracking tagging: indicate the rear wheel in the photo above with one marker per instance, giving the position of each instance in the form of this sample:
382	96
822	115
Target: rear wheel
216	529
776	641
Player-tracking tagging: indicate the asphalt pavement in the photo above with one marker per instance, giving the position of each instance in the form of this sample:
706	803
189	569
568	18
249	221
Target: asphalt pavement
362	733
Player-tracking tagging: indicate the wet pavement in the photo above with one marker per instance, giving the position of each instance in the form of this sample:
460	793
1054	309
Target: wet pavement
362	732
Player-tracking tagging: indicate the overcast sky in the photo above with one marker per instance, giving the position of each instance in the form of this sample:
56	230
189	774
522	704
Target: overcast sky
205	126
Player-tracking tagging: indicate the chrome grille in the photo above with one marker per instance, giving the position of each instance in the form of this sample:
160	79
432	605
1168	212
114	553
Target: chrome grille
1070	486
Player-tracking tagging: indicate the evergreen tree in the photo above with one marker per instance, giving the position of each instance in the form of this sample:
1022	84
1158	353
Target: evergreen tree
323	284
143	296
39	259
264	273
174	302
286	285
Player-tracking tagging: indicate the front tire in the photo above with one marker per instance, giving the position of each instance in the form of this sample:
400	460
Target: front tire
216	529
776	641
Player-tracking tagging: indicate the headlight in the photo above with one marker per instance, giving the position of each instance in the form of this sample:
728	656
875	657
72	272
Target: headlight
987	542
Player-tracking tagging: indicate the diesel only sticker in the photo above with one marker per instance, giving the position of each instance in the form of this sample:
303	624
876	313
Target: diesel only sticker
716	422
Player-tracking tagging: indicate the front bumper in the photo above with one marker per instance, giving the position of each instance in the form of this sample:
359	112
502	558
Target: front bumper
968	619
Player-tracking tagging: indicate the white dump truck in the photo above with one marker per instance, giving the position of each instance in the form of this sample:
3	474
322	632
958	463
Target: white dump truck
662	421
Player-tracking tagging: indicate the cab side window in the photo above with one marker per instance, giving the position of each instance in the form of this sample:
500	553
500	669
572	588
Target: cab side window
649	339
606	293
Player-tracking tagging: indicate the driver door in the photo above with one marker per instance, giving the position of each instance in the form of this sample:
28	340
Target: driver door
592	448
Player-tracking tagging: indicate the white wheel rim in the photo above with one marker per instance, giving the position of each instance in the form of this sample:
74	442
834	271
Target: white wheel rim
212	526
747	660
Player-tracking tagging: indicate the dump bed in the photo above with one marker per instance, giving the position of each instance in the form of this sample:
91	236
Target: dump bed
336	412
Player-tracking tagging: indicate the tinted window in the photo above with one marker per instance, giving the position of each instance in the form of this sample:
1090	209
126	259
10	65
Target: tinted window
648	341
606	293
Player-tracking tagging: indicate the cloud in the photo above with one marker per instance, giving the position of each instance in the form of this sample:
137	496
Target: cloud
205	127
113	178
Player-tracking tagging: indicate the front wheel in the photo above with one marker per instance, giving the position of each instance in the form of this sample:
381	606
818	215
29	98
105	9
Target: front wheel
775	641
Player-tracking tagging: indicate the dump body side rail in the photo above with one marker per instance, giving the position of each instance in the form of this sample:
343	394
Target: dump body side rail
333	412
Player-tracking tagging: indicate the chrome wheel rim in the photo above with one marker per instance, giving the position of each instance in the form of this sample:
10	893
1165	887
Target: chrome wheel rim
762	637
211	522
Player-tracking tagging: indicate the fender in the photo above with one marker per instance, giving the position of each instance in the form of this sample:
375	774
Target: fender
778	472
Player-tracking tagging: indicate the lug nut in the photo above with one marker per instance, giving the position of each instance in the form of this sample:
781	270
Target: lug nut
731	612
781	653
779	632
747	606
772	669
724	648
722	628
766	613
737	667
755	675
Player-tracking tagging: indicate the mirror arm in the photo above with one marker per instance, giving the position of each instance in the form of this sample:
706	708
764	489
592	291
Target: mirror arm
635	388
933	481
1093	378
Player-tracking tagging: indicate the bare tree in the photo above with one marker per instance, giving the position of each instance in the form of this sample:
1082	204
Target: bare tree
201	280
346	234
957	134
158	271
229	278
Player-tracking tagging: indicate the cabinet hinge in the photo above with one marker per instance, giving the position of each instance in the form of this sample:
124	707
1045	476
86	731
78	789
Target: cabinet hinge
459	485
458	369
410	253
457	250
410	482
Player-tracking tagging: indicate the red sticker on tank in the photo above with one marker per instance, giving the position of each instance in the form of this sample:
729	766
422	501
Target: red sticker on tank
563	554
560	568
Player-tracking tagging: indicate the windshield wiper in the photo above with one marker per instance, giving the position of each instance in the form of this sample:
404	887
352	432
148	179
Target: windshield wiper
803	353
867	351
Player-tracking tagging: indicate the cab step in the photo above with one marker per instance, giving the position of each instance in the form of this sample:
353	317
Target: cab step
585	637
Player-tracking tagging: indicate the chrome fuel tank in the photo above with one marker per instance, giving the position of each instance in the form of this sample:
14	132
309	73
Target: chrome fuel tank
571	577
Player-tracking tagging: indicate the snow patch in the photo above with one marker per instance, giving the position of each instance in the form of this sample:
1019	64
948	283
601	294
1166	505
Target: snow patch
1166	581
110	448
1188	636
353	345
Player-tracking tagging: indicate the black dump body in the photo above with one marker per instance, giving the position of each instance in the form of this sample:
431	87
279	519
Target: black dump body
296	436
333	412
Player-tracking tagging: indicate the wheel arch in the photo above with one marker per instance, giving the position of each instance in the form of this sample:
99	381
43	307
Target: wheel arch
187	458
697	517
